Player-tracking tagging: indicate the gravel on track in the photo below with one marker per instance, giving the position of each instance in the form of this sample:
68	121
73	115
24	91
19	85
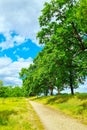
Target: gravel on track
54	120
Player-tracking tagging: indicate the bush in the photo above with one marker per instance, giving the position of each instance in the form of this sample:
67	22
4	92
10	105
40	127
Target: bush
82	96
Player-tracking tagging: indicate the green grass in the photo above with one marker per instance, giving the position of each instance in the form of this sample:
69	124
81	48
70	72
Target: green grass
17	114
74	106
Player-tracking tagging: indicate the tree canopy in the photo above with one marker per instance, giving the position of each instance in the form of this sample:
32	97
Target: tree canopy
62	62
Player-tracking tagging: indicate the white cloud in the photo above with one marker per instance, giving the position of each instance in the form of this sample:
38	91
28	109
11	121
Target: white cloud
21	16
12	41
4	61
19	39
9	71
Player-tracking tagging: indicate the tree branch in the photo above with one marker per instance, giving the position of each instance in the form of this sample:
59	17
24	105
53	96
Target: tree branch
78	37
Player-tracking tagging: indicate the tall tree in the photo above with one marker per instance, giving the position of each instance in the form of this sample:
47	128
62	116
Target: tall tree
62	62
59	27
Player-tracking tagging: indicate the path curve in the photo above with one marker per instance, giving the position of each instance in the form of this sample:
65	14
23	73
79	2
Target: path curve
54	120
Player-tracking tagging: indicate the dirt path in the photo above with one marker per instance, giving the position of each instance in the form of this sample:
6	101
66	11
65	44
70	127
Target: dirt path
53	120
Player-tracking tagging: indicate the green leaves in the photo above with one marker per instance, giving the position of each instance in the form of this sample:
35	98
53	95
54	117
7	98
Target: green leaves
62	62
61	32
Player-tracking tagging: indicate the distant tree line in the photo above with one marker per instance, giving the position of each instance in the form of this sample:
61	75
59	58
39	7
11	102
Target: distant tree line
63	60
9	91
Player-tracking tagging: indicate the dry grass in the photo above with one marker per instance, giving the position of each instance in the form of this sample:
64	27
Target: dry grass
74	106
16	113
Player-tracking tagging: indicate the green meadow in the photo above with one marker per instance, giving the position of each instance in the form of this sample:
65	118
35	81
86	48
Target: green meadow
74	106
17	114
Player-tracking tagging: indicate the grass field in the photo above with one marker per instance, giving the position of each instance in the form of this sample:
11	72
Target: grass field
17	114
74	106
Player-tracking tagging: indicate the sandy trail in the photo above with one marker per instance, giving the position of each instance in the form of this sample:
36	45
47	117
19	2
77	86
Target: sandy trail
54	120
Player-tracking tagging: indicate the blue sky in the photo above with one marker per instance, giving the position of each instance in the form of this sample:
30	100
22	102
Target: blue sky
24	48
16	52
18	44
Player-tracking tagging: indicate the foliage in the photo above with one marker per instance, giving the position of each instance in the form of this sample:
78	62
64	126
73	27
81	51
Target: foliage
62	62
9	91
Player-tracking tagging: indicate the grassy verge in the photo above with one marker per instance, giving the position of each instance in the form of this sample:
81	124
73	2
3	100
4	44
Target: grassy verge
74	106
33	118
15	114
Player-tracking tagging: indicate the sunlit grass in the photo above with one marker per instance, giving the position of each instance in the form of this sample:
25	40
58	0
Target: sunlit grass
75	106
15	114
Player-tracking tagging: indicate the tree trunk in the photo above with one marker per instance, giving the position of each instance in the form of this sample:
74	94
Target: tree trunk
46	92
58	91
51	90
72	89
71	83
